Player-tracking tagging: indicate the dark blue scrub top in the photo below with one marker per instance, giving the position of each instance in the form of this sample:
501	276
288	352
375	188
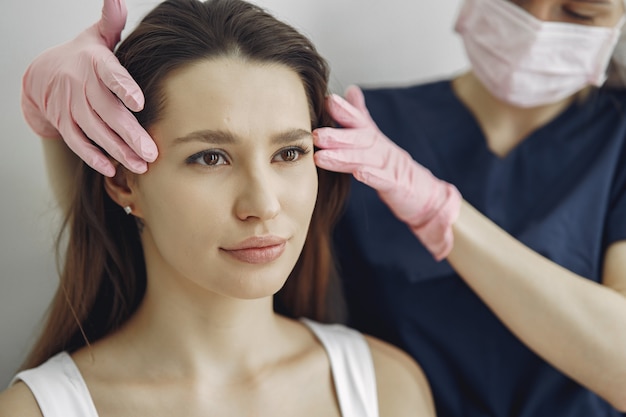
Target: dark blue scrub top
562	192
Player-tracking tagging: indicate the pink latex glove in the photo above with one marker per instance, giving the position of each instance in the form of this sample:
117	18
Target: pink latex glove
72	91
426	204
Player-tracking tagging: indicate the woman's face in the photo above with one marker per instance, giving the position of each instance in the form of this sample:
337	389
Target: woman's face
227	204
585	12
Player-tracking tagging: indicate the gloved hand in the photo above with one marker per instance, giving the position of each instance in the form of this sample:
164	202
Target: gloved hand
70	90
426	204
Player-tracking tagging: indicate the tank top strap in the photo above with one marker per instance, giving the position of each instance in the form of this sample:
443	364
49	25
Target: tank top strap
59	388
352	368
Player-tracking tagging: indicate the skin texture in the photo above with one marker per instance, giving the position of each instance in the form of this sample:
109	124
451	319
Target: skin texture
207	317
261	182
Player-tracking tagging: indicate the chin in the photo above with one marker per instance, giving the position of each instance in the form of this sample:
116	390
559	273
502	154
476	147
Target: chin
257	290
258	284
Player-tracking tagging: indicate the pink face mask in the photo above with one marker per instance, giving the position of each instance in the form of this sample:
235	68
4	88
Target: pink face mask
528	62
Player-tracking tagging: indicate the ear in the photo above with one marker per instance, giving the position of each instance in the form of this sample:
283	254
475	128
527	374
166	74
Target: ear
122	188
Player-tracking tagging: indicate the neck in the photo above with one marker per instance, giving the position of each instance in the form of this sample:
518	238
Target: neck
192	332
504	125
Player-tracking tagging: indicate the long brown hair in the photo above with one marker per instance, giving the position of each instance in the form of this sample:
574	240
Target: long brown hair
103	277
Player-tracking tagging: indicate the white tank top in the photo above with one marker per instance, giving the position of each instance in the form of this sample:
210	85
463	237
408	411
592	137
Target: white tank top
60	389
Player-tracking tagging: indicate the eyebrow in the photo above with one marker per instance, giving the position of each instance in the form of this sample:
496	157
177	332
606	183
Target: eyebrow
220	137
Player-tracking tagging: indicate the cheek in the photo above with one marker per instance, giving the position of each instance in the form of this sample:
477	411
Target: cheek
184	222
304	192
174	205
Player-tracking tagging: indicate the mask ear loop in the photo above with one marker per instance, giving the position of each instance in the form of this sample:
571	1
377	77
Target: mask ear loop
617	70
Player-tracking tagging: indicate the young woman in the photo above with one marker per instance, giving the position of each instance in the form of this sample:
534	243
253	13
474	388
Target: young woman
527	314
165	305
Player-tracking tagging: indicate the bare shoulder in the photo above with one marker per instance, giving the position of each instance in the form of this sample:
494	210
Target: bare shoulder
18	401
402	386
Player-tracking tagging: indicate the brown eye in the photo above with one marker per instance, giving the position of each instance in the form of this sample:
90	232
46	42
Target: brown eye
289	155
211	158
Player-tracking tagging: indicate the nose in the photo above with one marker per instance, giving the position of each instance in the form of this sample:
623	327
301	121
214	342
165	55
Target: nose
257	197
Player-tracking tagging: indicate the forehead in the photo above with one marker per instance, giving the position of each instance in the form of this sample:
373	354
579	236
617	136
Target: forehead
233	95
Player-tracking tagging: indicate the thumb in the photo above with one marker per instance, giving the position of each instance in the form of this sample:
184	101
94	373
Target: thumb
355	96
112	21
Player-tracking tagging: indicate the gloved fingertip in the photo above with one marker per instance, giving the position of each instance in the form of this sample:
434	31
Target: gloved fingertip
354	96
353	89
341	109
319	155
105	168
322	160
133	105
318	137
138	167
114	13
134	102
139	100
336	99
149	151
112	21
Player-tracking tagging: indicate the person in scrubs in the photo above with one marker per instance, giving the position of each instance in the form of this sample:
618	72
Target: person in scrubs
485	232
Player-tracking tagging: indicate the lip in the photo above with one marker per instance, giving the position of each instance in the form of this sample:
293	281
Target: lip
257	249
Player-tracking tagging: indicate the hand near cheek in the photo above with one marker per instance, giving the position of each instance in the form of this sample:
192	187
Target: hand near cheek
426	204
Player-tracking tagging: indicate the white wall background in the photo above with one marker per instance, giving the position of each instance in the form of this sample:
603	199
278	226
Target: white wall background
367	42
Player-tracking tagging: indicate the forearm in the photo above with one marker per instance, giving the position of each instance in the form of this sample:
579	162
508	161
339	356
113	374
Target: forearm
61	166
575	324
